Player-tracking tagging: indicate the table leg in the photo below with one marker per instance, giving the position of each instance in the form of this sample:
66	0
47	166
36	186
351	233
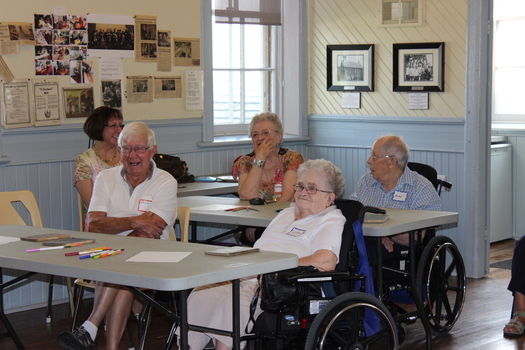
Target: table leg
417	295
183	314
379	269
193	237
10	330
236	296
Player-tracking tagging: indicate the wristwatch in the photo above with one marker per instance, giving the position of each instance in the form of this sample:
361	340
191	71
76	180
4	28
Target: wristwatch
259	163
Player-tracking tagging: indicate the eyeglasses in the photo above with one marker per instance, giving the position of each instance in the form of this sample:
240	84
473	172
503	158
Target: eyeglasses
309	189
263	133
115	126
376	157
138	149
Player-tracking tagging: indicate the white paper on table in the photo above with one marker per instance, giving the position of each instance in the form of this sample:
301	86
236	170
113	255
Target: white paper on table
4	239
159	257
216	207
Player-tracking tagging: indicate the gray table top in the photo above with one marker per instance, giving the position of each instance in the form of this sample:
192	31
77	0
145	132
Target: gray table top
206	188
195	270
212	209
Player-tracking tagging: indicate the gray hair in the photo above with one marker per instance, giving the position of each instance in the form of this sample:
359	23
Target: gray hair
333	174
135	129
267	116
394	145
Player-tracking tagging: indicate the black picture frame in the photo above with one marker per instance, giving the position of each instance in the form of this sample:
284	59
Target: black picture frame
419	67
350	67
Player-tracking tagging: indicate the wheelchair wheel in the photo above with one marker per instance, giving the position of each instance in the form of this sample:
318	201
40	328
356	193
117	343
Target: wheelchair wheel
441	277
341	325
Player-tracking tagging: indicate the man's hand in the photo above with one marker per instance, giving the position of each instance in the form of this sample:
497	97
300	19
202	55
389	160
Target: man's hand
147	225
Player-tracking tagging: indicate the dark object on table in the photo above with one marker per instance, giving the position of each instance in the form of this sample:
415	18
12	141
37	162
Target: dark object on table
175	166
256	201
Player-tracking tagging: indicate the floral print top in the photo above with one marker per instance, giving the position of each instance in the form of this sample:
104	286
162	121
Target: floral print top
88	165
288	160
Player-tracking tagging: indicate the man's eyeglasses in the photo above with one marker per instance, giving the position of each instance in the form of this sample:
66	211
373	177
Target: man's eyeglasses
138	149
309	189
115	126
376	157
263	133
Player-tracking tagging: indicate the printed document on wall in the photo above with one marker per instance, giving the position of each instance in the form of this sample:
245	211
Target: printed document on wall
194	89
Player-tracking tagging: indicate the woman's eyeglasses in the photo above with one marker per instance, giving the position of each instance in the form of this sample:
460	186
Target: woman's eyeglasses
115	126
263	133
138	149
309	189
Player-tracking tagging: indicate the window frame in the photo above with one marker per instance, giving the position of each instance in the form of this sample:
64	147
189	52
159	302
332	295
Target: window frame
290	104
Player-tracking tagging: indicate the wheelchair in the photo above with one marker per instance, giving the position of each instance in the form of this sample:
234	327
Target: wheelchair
341	318
428	283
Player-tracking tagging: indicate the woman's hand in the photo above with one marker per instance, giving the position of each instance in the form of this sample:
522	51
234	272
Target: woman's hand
265	148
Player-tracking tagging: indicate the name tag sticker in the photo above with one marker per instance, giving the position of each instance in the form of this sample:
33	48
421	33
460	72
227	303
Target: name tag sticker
400	196
144	204
296	232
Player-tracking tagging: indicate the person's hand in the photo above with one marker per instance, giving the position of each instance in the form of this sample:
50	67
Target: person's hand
388	244
147	225
265	148
402	238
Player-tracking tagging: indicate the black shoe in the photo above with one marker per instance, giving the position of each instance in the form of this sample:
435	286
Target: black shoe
78	340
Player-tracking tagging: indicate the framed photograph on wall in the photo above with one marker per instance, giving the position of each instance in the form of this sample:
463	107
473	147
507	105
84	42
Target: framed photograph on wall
350	67
419	67
78	103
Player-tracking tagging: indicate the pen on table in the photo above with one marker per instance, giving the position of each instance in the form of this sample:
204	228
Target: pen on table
235	209
88	251
278	210
250	208
114	252
93	254
52	248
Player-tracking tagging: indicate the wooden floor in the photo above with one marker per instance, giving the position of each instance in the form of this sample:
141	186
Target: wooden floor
486	310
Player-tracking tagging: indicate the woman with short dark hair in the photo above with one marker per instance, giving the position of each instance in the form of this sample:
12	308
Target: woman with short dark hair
103	128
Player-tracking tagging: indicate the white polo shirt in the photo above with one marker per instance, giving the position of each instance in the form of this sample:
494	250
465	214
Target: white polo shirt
113	195
306	235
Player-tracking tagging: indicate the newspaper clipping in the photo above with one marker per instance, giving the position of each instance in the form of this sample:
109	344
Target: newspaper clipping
194	89
139	89
164	51
168	87
7	46
186	52
145	38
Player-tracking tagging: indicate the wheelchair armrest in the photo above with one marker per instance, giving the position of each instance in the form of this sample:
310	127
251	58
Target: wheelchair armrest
327	276
367	209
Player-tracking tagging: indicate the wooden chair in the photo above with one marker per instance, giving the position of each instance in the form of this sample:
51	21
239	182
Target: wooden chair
144	318
10	216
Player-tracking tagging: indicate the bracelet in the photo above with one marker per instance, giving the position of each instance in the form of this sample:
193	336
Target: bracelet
259	163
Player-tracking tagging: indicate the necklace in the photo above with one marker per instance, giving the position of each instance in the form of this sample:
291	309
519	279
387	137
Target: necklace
106	160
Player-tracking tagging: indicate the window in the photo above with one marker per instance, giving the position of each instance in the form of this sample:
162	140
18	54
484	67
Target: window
247	66
245	37
508	61
401	13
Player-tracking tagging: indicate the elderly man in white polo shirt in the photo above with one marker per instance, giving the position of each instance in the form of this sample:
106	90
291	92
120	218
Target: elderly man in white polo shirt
135	199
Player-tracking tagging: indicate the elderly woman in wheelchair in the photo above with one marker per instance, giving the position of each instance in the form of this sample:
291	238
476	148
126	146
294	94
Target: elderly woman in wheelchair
311	227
